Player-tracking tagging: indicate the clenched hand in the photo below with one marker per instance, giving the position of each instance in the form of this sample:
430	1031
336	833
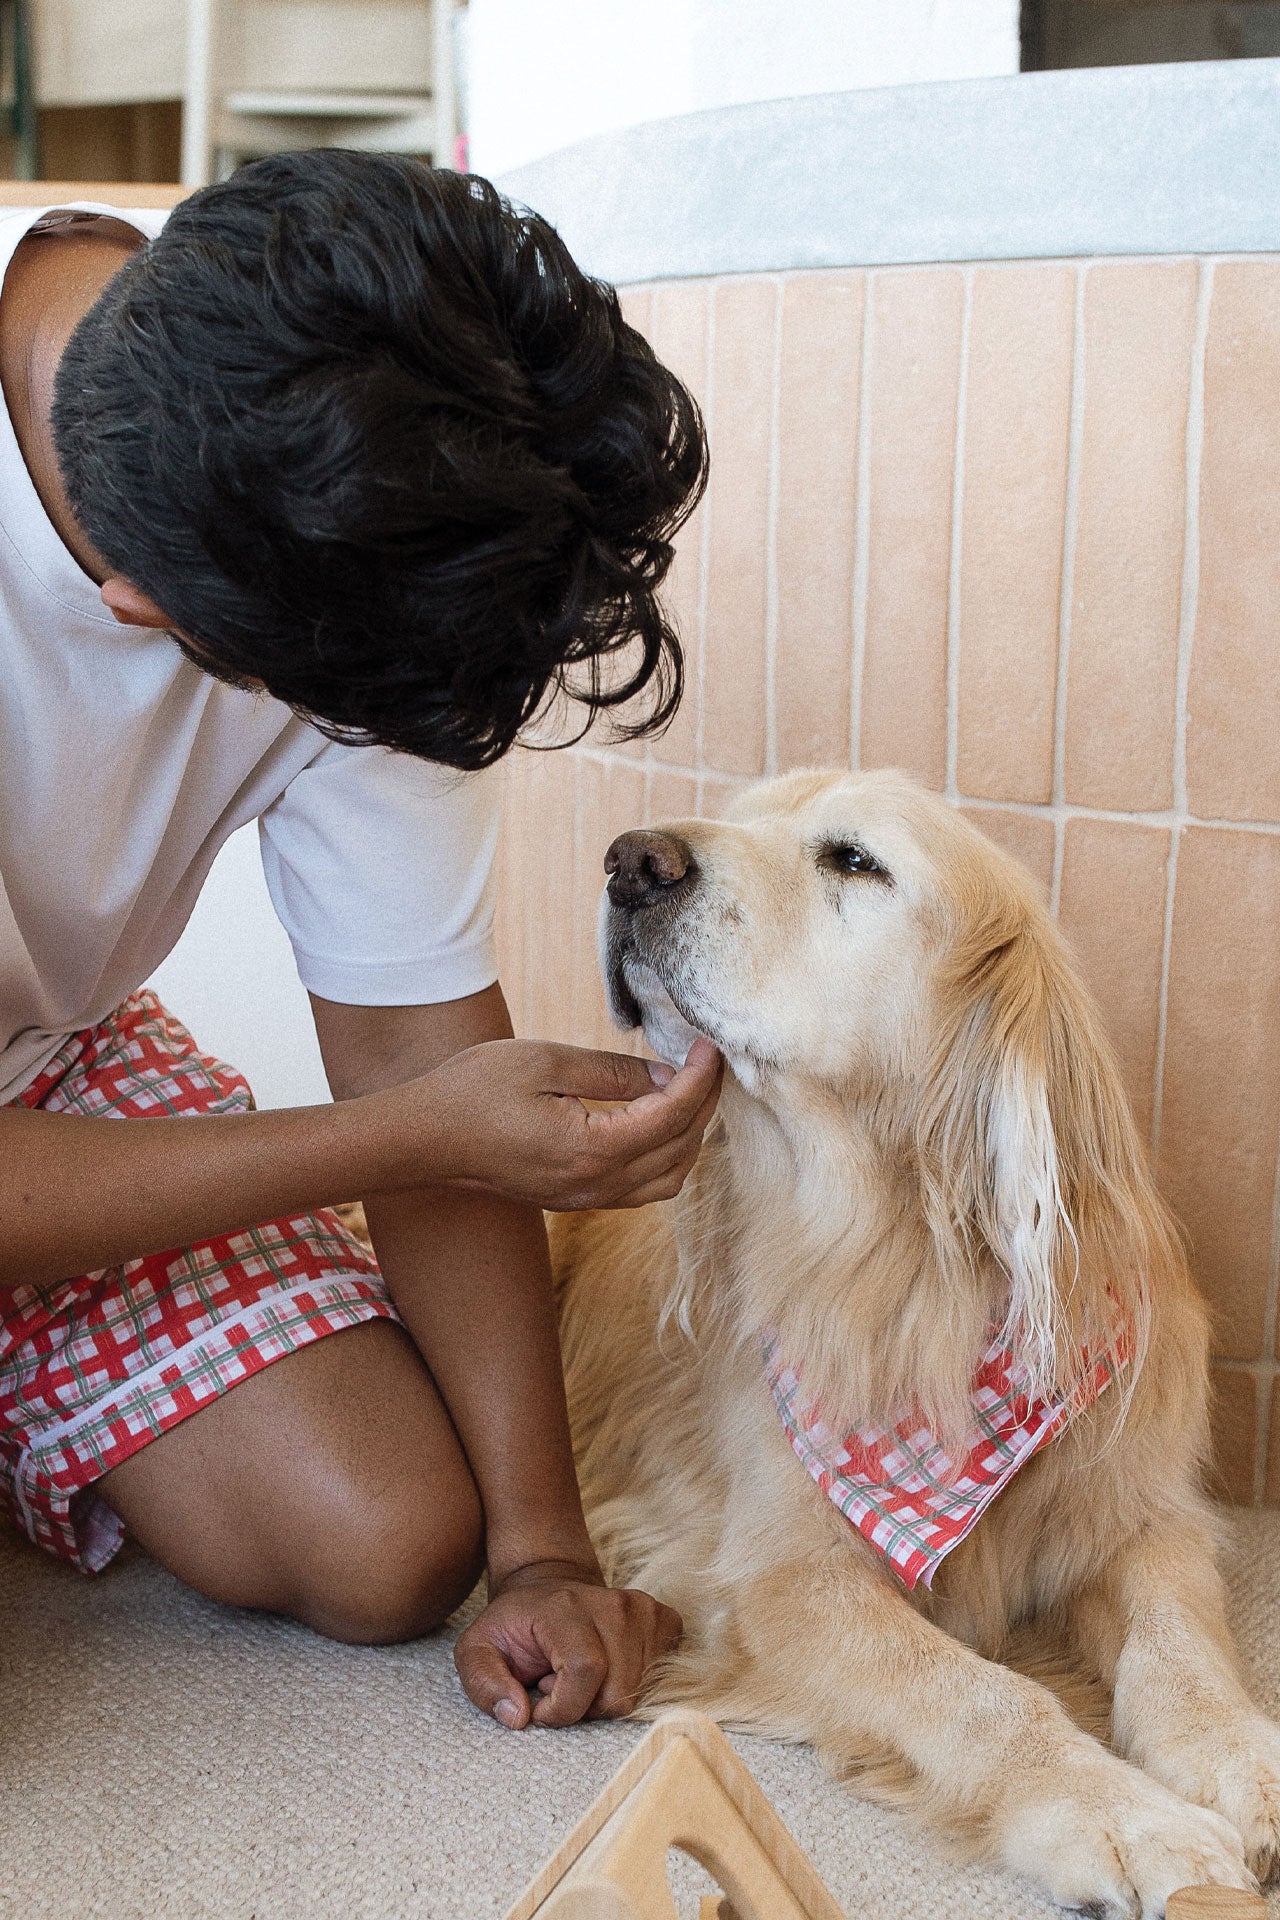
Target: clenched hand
555	1646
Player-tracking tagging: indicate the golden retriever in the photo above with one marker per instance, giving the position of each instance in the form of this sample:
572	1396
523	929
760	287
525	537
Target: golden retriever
922	1139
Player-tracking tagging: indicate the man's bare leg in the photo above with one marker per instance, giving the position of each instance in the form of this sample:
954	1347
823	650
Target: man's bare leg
330	1487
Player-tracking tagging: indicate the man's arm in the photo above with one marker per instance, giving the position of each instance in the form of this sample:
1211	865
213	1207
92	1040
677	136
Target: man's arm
471	1277
78	1194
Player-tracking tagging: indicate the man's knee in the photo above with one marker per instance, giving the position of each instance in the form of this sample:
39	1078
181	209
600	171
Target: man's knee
390	1567
331	1488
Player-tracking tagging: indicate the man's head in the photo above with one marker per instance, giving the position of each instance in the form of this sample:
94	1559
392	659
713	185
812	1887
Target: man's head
367	435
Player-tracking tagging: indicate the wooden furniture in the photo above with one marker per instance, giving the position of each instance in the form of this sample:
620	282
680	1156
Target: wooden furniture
1215	1903
1103	33
48	193
20	105
251	76
683	1787
267	75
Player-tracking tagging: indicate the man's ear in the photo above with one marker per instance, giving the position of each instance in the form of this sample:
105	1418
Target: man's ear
131	606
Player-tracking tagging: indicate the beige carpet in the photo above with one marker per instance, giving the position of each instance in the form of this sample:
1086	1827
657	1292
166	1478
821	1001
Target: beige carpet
159	1755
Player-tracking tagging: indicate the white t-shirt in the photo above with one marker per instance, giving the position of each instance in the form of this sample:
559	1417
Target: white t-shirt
124	768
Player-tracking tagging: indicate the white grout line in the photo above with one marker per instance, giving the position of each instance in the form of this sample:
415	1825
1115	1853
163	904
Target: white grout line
1076	810
527	1001
1009	264
576	873
1070	527
1180	812
771	547
1266	1372
860	585
704	557
646	745
1029	809
953	572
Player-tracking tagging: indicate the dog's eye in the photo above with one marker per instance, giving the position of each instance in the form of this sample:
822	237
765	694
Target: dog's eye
848	857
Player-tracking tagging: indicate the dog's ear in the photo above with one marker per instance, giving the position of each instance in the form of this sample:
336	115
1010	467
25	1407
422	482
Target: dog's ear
1031	1169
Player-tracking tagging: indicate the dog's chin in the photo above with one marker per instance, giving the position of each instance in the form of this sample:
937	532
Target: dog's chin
665	1028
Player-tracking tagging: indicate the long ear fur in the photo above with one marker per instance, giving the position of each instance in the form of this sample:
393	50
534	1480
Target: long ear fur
1031	1167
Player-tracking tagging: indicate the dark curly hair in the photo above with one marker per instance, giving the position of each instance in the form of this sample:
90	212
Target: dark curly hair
367	434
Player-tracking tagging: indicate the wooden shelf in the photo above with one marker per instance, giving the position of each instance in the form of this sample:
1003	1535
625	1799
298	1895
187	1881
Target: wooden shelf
56	193
329	106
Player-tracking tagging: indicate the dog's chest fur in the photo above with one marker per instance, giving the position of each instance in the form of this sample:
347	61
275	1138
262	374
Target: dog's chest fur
692	1488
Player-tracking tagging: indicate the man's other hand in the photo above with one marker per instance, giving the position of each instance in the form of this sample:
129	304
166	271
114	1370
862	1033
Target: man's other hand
555	1646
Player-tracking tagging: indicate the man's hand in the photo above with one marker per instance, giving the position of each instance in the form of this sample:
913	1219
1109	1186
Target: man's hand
554	1628
504	1117
508	1116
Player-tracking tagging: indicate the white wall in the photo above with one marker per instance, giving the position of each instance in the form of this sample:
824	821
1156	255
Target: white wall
232	981
545	73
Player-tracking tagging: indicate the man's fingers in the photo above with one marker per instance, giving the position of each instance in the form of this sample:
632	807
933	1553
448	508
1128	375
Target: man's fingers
632	1655
600	1645
489	1683
672	1161
571	1695
581	1668
679	1153
582	1073
702	1118
654	1192
697	1080
629	1661
664	1112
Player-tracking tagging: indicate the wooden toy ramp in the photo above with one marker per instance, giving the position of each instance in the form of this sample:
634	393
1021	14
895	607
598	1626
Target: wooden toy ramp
1215	1903
685	1787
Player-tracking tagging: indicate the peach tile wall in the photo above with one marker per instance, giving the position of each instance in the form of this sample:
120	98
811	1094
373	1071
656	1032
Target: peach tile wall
1017	529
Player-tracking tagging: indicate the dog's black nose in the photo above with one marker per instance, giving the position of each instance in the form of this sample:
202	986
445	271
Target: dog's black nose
646	866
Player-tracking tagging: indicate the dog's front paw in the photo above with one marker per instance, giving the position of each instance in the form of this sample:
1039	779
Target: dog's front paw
1108	1842
1235	1770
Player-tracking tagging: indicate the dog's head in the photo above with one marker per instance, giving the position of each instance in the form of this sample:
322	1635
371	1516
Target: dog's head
795	934
854	946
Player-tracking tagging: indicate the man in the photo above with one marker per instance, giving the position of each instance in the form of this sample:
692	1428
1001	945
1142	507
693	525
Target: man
365	470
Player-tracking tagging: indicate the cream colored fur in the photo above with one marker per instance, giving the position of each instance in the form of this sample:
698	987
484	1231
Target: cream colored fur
922	1126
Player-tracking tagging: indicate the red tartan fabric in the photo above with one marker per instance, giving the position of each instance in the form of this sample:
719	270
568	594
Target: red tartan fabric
898	1486
93	1368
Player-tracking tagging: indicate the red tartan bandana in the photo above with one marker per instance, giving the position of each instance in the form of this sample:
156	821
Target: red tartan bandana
898	1486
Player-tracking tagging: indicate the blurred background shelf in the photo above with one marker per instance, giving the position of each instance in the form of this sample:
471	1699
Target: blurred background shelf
186	89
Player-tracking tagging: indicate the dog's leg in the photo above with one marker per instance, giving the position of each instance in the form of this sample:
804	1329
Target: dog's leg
836	1655
1155	1627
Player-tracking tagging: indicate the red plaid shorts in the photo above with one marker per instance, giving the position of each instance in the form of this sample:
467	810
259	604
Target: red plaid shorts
92	1369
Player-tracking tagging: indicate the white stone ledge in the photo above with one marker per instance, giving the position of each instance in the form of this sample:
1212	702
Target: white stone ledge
1112	160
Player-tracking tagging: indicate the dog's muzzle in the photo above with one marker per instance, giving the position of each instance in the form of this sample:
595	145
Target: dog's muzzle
652	879
648	868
